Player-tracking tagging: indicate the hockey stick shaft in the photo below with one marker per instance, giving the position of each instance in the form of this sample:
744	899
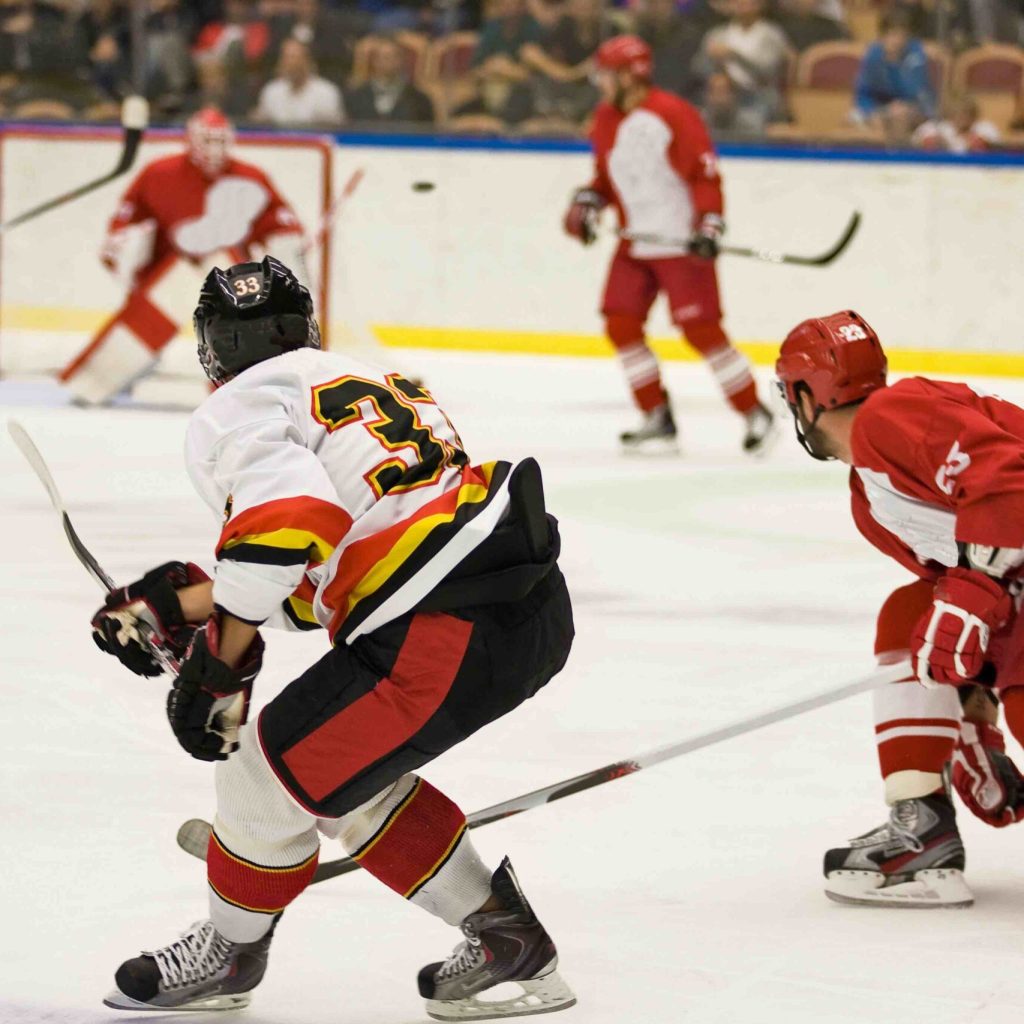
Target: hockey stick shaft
192	838
765	255
134	118
333	211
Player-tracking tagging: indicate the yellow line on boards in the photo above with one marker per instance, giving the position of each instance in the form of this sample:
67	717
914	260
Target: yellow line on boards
591	346
761	353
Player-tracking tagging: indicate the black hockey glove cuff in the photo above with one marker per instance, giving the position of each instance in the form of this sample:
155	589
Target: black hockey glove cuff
145	615
209	701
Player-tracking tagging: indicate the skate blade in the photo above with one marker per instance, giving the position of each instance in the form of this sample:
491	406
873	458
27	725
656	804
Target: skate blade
931	888
539	995
117	1000
767	445
652	448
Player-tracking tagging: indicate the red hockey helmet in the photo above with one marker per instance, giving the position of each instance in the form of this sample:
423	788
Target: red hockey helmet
837	358
209	137
625	53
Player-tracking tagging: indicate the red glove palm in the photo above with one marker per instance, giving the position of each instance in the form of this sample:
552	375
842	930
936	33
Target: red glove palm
988	782
951	638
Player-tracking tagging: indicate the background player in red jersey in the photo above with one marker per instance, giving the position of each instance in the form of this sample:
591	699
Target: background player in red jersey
655	163
179	215
937	482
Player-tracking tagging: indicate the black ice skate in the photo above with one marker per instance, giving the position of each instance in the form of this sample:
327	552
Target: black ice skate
657	432
200	971
762	431
916	859
508	945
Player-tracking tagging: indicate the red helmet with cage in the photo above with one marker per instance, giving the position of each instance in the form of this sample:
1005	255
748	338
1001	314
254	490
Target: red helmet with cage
209	137
837	358
625	53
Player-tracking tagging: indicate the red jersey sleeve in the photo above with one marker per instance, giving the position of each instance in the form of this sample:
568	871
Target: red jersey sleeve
277	219
693	156
133	208
601	134
947	445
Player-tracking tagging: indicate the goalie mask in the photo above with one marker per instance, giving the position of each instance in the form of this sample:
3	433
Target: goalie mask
251	312
837	360
209	138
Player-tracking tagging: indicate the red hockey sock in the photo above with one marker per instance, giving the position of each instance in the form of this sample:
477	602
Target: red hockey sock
729	366
638	361
254	887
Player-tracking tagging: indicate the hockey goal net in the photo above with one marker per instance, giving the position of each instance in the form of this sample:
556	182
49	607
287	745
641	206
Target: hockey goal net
54	293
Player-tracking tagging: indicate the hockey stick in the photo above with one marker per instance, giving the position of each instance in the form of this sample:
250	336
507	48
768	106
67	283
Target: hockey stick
32	455
134	118
27	447
194	834
330	215
767	255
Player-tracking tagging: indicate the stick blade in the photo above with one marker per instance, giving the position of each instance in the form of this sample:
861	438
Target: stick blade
27	447
194	837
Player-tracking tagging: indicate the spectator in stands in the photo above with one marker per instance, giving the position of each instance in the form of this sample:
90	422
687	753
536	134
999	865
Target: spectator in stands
805	26
753	52
561	62
169	28
504	34
675	40
329	33
104	41
388	95
501	102
961	131
893	89
240	38
723	113
215	87
298	96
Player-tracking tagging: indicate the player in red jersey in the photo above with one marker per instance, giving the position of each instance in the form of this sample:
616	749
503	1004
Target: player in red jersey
937	482
656	165
179	215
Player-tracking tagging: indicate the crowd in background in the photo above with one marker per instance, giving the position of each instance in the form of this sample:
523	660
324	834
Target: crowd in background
522	66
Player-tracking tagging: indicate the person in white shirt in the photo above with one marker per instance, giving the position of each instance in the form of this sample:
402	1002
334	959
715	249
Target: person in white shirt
298	96
752	52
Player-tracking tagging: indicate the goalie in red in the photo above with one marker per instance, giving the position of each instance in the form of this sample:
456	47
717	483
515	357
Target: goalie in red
656	165
937	482
179	215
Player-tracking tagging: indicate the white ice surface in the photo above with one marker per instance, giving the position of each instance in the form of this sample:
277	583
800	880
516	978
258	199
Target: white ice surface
705	587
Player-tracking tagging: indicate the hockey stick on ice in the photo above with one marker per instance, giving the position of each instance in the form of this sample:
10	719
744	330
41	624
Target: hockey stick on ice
767	255
134	118
195	833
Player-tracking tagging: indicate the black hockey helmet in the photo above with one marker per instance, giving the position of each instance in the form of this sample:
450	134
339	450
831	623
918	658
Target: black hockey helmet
251	312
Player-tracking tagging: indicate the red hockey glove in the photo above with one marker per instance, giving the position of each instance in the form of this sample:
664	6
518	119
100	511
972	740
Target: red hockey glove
704	241
951	638
581	219
147	614
209	701
986	779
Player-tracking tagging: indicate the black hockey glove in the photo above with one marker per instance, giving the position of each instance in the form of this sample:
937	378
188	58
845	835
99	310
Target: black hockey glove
147	614
209	701
704	241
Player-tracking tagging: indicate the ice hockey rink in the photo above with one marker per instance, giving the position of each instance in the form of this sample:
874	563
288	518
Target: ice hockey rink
706	587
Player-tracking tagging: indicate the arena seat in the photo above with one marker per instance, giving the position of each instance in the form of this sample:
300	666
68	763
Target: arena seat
822	93
447	70
994	75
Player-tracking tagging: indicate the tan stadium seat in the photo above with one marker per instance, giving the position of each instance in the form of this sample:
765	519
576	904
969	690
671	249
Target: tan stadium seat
994	75
822	92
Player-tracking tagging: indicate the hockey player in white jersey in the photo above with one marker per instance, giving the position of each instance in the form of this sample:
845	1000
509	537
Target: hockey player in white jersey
348	504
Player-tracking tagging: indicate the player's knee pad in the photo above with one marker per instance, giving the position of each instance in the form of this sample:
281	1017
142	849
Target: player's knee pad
624	330
706	336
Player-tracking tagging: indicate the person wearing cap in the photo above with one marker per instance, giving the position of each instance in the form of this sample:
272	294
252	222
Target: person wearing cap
937	484
654	162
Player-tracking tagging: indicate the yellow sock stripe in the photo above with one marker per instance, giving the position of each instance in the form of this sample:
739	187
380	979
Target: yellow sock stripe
245	906
388	822
438	864
259	867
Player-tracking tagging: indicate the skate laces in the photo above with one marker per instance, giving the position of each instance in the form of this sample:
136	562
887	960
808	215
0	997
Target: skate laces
196	956
465	956
902	822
